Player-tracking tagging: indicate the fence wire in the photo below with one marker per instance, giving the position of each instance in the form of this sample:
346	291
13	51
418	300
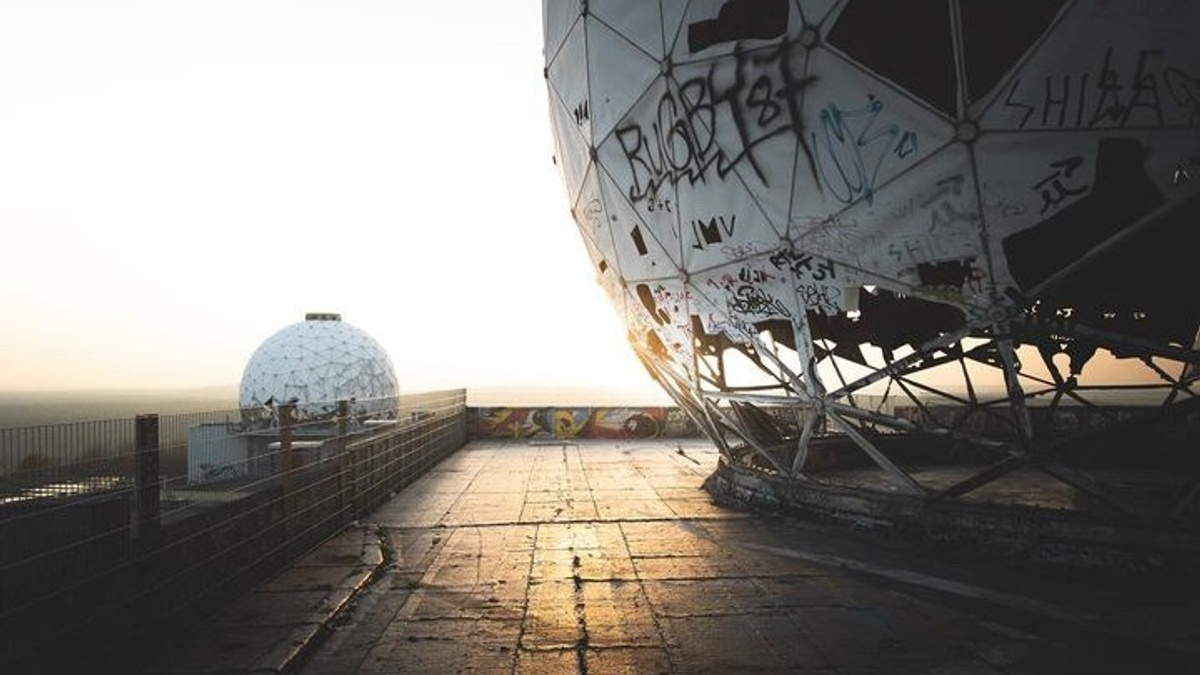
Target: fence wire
107	534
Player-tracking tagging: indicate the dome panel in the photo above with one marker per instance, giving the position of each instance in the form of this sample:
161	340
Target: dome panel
613	56
640	23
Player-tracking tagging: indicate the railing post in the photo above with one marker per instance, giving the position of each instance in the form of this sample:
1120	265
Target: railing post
344	501
285	411
285	447
147	506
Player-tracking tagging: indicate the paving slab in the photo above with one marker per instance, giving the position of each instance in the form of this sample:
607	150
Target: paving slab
273	627
607	557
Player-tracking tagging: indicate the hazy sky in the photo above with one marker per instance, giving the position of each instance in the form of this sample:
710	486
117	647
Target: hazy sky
180	179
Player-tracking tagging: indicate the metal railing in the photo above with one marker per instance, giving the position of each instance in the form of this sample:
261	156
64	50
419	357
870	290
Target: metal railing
115	529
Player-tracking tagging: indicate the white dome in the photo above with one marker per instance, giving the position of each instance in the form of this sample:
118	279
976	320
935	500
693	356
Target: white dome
318	362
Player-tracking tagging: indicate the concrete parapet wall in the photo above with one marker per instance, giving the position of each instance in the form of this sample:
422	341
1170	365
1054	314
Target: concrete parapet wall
566	422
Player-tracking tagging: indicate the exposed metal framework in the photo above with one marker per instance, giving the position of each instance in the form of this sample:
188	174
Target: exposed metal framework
830	247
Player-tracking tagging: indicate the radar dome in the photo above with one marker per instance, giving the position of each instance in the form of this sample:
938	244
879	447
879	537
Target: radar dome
317	362
796	206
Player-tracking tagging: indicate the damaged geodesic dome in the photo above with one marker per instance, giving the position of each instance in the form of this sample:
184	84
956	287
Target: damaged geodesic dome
806	210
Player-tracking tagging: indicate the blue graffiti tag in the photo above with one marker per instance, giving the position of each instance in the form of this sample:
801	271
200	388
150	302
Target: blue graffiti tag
850	149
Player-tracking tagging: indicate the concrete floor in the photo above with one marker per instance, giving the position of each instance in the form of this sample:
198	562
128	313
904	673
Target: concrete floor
608	557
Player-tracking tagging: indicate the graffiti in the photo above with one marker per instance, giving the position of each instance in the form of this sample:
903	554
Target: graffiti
819	297
804	265
678	424
656	202
513	422
744	295
651	304
919	248
748	299
995	202
571	423
753	275
626	423
1052	189
942	198
946	187
1143	85
851	149
710	231
215	472
1115	95
946	214
1185	91
581	113
839	237
759	98
731	325
737	251
661	303
592	211
723	282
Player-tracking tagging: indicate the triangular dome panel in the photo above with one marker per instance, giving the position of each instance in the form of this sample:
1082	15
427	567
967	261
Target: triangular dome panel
572	157
672	19
619	73
638	22
719	224
568	74
646	248
557	19
606	275
592	218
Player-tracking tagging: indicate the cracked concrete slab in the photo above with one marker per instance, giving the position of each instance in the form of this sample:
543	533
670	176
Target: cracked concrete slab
606	557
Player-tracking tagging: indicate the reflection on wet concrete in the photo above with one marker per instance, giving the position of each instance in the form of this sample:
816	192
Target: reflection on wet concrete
608	557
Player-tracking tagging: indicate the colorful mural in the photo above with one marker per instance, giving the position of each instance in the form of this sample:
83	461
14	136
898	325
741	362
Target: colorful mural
581	422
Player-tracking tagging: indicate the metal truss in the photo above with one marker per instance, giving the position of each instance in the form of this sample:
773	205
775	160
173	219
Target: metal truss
780	424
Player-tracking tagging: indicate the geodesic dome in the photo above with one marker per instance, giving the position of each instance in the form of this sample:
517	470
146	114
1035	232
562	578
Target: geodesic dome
315	363
803	209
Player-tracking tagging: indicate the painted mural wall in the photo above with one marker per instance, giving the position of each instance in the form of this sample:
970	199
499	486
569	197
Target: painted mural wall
581	422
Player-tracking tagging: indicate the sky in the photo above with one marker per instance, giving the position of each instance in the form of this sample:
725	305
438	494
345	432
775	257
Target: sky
179	180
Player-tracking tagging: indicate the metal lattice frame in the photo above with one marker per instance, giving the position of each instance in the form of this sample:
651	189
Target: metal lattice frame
811	233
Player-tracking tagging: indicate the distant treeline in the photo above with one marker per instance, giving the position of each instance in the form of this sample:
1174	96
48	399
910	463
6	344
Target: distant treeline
28	409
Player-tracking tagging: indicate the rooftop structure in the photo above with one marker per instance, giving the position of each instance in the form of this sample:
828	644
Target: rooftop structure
809	226
314	364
